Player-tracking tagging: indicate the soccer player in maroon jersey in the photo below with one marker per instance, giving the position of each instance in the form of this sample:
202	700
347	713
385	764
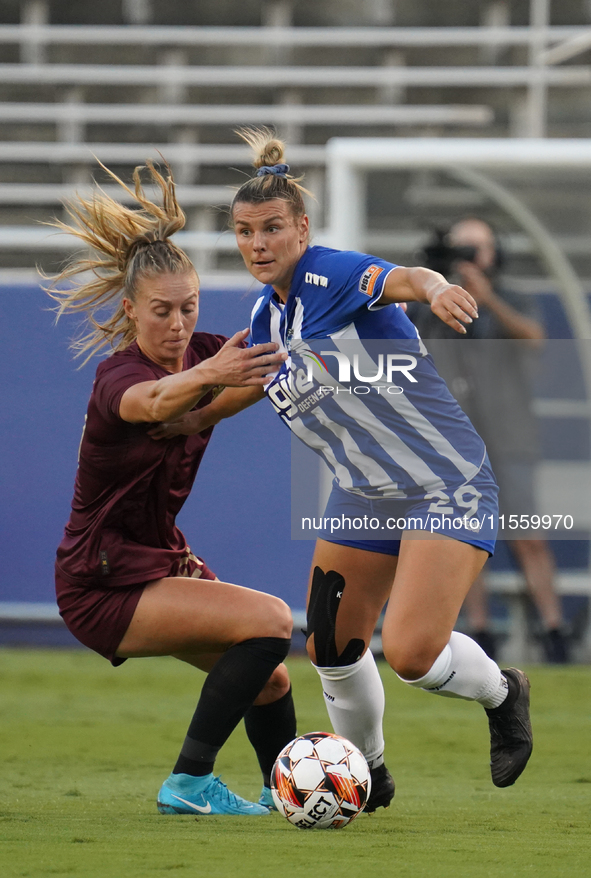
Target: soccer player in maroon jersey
127	583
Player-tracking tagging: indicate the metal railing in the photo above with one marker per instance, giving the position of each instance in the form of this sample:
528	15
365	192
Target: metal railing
134	153
278	76
56	193
422	37
78	113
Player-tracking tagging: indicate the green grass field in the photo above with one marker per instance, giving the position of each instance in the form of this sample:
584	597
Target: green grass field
85	748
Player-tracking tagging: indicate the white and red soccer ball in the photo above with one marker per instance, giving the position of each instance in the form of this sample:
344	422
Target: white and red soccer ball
320	781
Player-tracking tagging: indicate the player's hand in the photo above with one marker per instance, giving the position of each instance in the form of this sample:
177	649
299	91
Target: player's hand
237	366
476	282
454	305
187	425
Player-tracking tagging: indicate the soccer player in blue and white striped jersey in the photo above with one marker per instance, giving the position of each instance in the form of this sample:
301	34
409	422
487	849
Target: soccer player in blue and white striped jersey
359	388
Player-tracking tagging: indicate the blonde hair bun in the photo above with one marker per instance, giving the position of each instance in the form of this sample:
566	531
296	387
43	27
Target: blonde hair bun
267	148
276	182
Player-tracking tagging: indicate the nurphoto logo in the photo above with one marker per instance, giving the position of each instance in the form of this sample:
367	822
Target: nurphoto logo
385	368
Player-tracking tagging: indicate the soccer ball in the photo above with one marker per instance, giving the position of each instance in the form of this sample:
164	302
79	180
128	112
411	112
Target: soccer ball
320	781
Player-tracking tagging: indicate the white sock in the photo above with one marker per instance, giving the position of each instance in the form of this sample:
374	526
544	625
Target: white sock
463	670
354	697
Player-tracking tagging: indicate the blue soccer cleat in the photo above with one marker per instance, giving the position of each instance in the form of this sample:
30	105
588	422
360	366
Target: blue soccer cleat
185	794
266	799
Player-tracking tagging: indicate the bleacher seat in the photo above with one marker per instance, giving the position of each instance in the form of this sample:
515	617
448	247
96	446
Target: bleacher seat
127	77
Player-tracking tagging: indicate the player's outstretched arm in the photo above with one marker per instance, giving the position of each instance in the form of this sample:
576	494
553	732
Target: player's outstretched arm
229	402
451	303
174	395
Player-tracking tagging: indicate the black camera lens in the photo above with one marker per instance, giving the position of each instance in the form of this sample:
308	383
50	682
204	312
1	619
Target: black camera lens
467	254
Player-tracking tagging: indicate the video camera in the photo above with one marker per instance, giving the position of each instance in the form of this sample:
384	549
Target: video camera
439	256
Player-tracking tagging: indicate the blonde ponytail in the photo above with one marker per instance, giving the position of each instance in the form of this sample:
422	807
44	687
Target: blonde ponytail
128	245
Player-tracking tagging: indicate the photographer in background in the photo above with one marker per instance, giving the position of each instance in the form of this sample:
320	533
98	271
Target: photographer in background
488	373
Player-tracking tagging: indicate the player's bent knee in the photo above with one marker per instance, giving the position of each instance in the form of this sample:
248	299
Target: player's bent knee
411	663
279	618
280	679
276	686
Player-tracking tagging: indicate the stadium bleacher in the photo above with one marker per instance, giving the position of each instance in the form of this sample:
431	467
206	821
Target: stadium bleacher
126	79
131	77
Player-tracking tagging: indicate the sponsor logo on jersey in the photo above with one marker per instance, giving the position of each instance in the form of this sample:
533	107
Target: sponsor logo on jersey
317	279
291	394
368	279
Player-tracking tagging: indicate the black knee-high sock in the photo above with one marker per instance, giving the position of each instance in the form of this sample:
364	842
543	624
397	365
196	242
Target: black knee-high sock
269	728
229	690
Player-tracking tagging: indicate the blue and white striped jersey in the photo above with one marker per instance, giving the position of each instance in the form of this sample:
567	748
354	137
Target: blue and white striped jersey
359	387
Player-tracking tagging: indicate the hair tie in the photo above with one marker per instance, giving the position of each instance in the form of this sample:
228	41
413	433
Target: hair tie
276	170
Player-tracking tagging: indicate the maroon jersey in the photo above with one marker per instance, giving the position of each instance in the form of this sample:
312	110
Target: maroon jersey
129	488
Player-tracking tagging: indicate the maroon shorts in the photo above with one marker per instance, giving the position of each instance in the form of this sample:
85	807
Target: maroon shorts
99	617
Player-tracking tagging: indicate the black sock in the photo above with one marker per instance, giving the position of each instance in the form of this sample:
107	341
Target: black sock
229	690
269	728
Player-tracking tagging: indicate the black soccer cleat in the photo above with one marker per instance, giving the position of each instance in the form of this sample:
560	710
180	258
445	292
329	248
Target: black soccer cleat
511	738
382	789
